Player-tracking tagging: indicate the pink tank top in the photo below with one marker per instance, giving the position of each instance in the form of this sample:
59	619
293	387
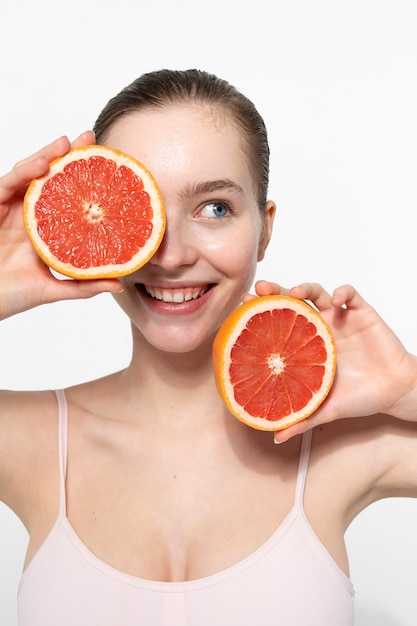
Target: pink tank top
291	580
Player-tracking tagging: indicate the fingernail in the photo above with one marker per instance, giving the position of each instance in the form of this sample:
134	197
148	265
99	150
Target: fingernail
277	442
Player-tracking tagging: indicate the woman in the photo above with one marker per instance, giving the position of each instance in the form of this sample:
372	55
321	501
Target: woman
145	501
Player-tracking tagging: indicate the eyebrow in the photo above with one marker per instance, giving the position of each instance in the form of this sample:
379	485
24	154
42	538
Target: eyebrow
210	186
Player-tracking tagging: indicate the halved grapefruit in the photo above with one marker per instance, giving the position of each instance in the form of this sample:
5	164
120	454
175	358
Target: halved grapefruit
97	213
274	361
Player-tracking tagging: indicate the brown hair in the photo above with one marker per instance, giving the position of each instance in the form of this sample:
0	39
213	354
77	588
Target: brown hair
164	87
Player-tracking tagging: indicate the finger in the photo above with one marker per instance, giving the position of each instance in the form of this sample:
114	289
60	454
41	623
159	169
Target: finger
267	288
20	177
37	164
80	289
347	296
328	411
281	436
314	292
32	167
60	146
247	297
51	151
85	139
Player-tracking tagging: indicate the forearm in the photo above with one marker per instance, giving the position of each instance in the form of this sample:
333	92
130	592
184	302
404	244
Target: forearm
405	405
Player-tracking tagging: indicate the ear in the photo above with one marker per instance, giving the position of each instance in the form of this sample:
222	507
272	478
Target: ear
268	216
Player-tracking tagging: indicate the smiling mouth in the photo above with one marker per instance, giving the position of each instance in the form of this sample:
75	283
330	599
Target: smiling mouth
175	296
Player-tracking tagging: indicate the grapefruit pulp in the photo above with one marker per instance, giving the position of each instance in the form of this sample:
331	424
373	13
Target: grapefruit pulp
274	361
97	213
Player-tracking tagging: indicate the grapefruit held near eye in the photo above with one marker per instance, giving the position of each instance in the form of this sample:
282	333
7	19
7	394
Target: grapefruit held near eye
274	361
97	213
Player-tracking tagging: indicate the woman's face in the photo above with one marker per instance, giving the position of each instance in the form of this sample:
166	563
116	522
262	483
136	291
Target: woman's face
215	232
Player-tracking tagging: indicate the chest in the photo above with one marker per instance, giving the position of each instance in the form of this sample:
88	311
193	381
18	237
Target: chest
179	513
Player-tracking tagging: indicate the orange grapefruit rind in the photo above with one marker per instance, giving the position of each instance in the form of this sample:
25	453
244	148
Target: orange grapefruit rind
94	268
270	404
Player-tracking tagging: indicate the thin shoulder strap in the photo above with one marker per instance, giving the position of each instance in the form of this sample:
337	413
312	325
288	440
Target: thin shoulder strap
62	446
302	468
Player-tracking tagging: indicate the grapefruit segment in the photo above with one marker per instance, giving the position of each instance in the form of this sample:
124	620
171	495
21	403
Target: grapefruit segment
274	361
97	213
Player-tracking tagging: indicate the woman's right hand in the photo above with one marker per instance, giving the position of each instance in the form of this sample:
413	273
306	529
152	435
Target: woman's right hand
25	280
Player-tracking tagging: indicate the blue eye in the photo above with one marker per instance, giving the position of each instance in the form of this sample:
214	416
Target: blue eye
215	209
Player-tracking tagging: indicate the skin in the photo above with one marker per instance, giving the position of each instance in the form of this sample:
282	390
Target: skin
154	456
195	254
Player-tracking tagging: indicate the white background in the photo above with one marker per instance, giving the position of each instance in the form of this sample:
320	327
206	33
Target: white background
336	84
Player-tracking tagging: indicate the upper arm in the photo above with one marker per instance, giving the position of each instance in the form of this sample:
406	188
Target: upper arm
12	440
27	442
357	461
396	455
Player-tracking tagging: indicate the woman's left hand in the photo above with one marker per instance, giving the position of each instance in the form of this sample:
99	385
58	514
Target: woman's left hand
375	373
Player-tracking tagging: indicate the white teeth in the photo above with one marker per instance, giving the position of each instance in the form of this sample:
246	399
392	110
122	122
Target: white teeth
178	296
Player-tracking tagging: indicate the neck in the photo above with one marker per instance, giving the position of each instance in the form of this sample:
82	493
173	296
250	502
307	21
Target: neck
170	386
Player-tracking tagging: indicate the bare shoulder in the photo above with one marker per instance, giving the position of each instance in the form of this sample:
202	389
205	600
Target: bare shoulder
28	440
28	419
23	413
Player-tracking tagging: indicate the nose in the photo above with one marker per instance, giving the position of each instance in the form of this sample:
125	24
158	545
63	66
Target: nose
178	246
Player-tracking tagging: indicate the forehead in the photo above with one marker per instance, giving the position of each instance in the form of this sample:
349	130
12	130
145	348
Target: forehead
184	139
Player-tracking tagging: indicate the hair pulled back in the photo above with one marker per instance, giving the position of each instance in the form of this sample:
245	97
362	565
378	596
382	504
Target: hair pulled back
164	87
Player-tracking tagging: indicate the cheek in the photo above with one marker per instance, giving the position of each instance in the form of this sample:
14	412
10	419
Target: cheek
237	254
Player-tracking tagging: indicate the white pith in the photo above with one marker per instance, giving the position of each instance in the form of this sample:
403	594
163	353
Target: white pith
93	212
276	363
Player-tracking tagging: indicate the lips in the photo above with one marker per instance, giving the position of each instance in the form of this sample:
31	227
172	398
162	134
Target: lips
175	295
